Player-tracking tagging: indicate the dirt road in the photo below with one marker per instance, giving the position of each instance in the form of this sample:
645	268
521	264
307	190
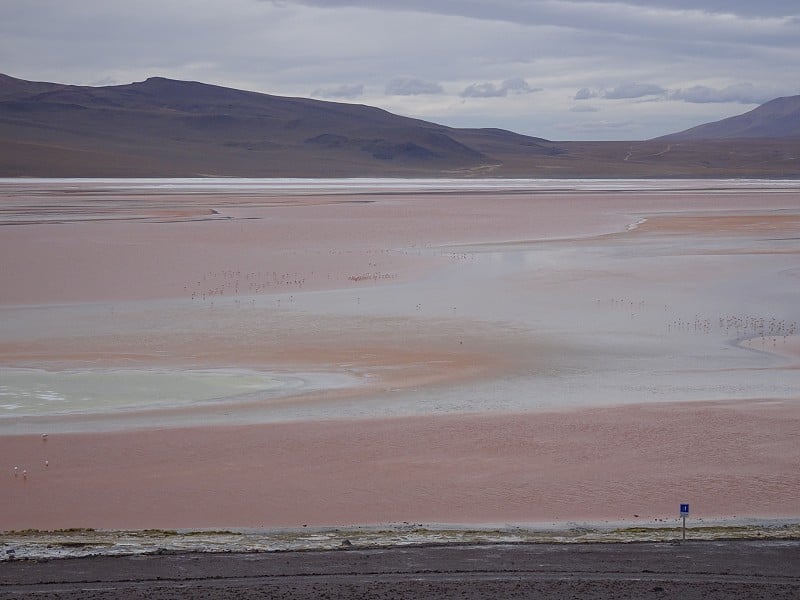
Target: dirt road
728	569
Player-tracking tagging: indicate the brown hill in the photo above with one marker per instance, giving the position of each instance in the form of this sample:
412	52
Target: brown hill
779	118
162	127
166	128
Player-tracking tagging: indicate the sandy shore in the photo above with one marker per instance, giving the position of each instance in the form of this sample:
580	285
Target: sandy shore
508	357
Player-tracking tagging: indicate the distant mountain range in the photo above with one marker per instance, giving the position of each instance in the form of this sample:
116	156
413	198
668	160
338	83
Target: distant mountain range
166	128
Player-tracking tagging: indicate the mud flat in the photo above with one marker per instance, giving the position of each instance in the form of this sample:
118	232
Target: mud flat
282	357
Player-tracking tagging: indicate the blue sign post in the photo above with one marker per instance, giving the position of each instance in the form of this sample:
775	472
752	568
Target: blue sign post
684	514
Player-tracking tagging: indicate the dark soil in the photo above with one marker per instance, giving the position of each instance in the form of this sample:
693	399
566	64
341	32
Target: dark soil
726	569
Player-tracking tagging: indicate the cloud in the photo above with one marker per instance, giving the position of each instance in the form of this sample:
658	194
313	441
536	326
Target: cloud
633	90
697	20
742	93
488	89
347	91
584	94
412	87
550	9
518	85
624	91
775	8
585	108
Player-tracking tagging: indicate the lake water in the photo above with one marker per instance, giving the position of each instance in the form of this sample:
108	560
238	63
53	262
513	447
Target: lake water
608	319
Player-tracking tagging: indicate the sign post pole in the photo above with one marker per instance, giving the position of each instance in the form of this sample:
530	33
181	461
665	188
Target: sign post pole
684	514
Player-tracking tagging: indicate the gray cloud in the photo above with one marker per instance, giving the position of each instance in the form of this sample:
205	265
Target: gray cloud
742	93
773	8
347	91
583	108
633	90
699	21
584	94
412	87
623	91
515	85
518	85
505	8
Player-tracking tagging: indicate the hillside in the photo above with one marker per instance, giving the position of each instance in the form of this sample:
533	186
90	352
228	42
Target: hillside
779	118
166	128
162	127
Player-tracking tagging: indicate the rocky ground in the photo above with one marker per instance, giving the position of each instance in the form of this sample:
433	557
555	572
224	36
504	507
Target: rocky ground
707	569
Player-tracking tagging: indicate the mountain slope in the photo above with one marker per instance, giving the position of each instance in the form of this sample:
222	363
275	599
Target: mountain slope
775	119
170	128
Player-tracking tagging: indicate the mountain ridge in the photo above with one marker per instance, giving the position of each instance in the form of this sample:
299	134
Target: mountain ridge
162	127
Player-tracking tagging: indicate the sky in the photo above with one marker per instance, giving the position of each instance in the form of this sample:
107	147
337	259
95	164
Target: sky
557	69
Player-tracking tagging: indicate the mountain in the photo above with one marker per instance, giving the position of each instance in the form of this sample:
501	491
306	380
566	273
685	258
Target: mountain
167	128
779	118
161	127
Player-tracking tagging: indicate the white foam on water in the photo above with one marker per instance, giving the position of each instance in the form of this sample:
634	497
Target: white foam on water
31	392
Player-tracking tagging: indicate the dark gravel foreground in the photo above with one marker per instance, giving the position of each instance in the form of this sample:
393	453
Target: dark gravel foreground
708	570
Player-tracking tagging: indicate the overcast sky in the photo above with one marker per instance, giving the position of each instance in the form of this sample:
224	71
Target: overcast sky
559	69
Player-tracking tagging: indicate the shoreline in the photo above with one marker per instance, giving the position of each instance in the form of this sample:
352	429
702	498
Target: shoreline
75	543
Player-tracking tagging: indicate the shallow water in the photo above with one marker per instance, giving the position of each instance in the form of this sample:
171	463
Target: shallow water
615	318
31	392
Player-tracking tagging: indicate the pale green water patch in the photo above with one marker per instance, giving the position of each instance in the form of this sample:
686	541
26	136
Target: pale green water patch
32	392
